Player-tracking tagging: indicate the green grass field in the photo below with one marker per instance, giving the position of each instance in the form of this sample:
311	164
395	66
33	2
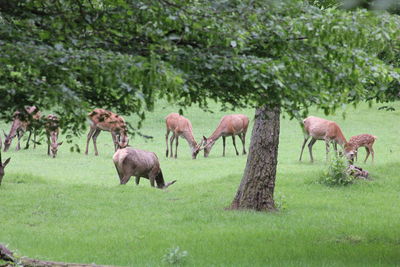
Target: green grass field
73	209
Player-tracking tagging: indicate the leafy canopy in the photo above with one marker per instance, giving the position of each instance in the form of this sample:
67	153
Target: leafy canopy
71	56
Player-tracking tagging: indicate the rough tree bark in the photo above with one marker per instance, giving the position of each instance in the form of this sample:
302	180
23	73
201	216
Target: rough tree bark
256	190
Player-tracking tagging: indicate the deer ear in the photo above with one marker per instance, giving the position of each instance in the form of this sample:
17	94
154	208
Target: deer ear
60	143
6	162
204	138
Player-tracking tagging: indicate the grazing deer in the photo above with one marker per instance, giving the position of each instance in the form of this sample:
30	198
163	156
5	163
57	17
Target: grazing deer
180	126
2	164
104	120
362	140
139	163
321	129
22	121
230	125
52	131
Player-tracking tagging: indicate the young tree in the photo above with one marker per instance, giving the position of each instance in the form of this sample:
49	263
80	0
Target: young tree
274	56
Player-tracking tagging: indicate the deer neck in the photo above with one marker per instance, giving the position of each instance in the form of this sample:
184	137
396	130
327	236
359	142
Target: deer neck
215	135
340	139
190	139
17	124
53	137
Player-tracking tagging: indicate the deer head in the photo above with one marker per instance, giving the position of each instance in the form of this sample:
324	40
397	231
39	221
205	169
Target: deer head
2	164
207	145
196	150
54	148
7	141
350	152
122	139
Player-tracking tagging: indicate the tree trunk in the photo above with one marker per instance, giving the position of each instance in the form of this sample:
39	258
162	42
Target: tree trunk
256	190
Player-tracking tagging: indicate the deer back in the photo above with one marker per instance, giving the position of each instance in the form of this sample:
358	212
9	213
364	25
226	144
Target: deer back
321	129
230	125
135	162
362	140
178	123
107	121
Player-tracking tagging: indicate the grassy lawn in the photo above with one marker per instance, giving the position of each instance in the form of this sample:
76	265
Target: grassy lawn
73	209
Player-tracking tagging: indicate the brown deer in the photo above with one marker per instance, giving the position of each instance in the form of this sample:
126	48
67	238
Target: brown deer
230	125
22	121
321	129
104	120
52	130
362	140
180	126
2	164
139	163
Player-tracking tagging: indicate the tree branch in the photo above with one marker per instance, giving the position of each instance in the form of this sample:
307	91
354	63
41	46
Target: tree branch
8	256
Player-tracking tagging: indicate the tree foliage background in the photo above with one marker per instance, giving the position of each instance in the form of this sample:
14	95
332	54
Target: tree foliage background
73	55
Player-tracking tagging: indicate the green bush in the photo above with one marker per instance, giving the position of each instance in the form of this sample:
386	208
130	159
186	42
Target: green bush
175	256
336	173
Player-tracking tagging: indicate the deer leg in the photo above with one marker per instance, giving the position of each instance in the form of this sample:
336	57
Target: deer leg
171	140
327	146
114	139
119	173
152	180
48	145
166	141
367	150
137	180
302	147
29	138
152	177
243	138
223	143
125	179
234	144
34	138
19	136
310	145
94	137
89	136
335	147
372	153
176	146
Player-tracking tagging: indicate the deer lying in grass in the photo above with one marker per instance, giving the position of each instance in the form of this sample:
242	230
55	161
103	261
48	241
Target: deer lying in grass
139	163
22	121
362	140
180	126
2	164
104	120
230	125
52	131
321	129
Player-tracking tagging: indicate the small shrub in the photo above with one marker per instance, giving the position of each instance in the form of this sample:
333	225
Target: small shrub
280	201
336	173
175	256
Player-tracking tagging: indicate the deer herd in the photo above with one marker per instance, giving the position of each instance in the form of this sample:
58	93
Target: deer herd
144	164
